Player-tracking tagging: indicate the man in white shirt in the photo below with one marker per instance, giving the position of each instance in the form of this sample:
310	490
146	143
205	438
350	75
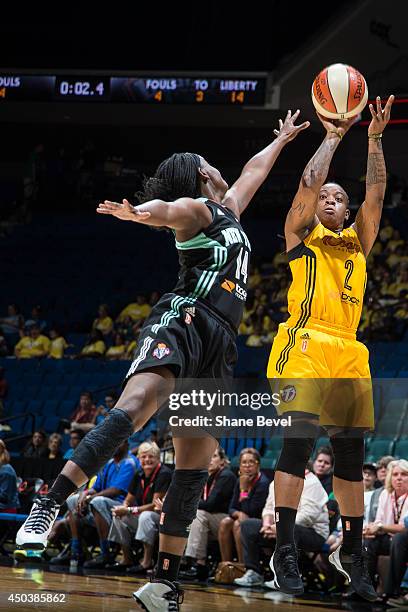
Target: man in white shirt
311	528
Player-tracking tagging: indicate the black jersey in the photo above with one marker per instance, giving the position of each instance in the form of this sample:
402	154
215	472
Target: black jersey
214	266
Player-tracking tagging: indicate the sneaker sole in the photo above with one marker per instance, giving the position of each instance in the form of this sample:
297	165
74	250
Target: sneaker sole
140	602
32	546
277	586
335	560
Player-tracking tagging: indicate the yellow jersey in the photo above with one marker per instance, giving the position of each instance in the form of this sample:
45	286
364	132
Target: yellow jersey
329	279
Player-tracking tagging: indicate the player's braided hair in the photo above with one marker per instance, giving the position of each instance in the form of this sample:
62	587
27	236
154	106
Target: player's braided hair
176	177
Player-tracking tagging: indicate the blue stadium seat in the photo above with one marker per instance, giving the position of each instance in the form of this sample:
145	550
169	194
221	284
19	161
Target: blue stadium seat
32	391
50	407
34	406
52	378
59	392
70	378
401	449
379	447
45	392
19	406
50	423
73	393
66	408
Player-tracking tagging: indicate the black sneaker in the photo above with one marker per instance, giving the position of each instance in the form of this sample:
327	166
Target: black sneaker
284	565
63	558
196	571
354	568
99	562
159	595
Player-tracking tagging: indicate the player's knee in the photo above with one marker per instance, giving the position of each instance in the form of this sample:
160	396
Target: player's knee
294	456
348	457
181	502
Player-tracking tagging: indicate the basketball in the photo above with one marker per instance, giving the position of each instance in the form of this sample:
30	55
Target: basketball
339	92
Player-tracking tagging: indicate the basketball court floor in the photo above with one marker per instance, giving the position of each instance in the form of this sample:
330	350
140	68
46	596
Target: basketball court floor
105	593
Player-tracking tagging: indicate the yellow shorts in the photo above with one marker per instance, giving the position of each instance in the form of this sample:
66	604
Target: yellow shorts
323	374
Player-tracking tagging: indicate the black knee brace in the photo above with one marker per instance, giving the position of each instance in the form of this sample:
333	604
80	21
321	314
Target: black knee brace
348	457
100	443
296	451
181	502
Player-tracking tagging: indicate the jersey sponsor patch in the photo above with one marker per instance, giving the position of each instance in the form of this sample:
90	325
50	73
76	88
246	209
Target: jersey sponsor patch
340	242
161	350
228	285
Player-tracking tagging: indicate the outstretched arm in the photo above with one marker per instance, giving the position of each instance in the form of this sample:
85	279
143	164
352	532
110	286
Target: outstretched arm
184	214
258	167
368	217
301	217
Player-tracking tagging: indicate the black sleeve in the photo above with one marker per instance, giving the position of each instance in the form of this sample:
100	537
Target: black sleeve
235	505
223	489
255	502
163	481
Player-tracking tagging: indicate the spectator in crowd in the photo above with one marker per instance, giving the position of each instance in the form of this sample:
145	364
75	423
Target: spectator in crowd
75	436
95	348
35	320
137	311
54	446
136	518
311	528
37	446
84	415
250	493
3	344
388	534
382	465
212	509
132	346
95	504
58	344
8	482
13	322
33	345
103	321
3	390
118	350
369	478
103	410
154	298
323	467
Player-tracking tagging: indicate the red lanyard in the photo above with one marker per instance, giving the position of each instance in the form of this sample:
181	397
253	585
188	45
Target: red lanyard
206	492
245	494
397	511
149	486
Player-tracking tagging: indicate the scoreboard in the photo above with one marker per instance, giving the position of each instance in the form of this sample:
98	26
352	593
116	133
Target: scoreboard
136	89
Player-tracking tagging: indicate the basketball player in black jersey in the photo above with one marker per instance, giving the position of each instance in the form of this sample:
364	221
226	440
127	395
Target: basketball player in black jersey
190	333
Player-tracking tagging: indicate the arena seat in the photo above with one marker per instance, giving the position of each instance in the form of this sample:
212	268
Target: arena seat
378	448
401	449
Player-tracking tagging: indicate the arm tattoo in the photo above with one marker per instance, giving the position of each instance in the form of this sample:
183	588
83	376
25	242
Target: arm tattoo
317	169
376	173
299	208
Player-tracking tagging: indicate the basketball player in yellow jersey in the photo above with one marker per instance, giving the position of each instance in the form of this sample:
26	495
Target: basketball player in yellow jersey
323	372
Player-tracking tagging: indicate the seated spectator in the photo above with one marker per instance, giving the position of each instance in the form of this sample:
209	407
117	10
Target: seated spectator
95	504
137	311
37	446
311	528
84	415
388	534
95	348
13	322
8	482
382	465
33	345
250	493
323	467
58	344
132	346
137	518
75	436
103	410
103	321
3	390
118	350
54	446
212	509
35	321
369	478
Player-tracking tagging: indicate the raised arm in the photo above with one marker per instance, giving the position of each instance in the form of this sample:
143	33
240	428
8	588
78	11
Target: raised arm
301	218
368	216
258	167
185	214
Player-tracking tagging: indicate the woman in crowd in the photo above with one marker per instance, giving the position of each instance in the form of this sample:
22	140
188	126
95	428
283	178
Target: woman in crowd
103	321
8	482
37	446
54	446
248	500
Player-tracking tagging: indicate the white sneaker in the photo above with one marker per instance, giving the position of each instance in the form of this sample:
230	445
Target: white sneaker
34	532
159	596
250	579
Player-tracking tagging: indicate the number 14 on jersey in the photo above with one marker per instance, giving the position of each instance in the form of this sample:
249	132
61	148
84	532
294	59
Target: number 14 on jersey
242	265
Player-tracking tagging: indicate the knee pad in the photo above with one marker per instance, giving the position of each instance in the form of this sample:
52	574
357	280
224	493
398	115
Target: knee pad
181	502
99	444
348	457
297	448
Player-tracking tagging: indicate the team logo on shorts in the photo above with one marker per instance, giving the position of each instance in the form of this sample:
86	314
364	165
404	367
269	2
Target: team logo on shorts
288	393
161	350
228	285
188	318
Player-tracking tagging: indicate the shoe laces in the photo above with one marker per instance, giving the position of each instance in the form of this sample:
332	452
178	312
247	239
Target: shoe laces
41	516
288	561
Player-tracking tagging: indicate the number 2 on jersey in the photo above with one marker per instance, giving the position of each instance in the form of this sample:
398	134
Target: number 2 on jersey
349	265
242	266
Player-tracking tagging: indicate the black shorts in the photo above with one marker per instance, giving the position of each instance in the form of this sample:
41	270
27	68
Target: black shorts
188	338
